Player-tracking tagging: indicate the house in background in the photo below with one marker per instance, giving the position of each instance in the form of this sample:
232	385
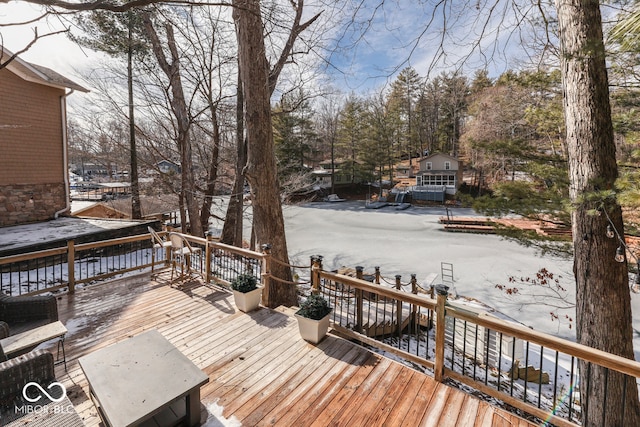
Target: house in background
345	172
34	181
439	175
167	166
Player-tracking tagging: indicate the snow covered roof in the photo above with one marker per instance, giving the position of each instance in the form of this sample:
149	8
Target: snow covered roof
18	236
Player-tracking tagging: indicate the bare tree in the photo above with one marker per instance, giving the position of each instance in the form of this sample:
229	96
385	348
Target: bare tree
171	67
261	169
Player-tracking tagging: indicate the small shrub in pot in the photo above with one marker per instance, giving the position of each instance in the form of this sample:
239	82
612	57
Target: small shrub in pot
314	307
244	283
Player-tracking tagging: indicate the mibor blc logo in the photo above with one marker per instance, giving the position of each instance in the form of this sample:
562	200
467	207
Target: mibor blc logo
44	401
44	392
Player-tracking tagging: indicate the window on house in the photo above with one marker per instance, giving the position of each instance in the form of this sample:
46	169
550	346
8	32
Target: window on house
429	166
447	165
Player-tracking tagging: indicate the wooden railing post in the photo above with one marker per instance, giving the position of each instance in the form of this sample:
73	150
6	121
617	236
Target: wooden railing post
266	271
316	268
375	297
413	321
71	265
442	292
359	299
399	306
208	250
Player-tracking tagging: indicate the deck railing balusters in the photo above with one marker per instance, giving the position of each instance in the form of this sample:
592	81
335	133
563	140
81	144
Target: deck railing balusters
350	294
464	345
540	376
501	336
475	351
571	385
526	378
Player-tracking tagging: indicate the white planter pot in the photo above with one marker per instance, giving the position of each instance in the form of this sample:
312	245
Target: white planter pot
312	330
248	301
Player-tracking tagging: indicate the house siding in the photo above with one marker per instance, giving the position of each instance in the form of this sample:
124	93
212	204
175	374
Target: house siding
31	143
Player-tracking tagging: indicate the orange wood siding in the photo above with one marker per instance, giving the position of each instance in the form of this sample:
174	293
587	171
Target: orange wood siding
31	150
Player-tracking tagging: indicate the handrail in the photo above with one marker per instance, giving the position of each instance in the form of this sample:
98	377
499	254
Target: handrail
32	255
229	262
589	354
345	290
111	242
380	290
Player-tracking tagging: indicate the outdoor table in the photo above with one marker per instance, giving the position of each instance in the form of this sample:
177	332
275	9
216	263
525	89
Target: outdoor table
144	378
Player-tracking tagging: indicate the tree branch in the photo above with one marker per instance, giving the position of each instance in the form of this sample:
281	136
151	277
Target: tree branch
114	6
27	47
296	29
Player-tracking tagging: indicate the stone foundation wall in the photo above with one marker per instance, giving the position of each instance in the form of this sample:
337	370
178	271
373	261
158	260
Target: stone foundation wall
20	204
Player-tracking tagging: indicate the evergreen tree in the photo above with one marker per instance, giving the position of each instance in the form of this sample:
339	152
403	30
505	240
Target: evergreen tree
119	35
455	90
351	129
294	134
403	100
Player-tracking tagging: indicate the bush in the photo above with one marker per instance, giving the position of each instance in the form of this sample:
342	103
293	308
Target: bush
314	307
244	283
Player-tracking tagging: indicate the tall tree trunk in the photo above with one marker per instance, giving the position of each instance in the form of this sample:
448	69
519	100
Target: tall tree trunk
171	68
232	230
261	169
212	175
136	210
603	311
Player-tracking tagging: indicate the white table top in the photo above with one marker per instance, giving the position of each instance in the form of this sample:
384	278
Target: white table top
32	337
136	378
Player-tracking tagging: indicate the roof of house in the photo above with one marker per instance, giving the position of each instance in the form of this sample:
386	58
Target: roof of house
439	155
37	73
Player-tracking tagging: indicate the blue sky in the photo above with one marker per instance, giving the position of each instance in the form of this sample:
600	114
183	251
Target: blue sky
410	34
397	35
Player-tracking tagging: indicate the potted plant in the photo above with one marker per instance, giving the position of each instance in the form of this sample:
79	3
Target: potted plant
313	318
246	292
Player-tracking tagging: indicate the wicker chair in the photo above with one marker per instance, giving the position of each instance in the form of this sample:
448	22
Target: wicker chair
34	367
15	373
24	313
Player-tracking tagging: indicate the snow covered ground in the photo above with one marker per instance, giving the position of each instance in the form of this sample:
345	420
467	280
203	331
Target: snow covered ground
412	241
399	242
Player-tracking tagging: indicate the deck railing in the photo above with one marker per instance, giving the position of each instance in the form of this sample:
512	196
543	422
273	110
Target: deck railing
65	267
221	263
535	373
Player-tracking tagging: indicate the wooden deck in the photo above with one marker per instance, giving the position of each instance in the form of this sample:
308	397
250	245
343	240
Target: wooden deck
260	371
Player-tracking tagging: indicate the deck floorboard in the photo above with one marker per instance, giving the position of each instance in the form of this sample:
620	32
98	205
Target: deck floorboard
260	371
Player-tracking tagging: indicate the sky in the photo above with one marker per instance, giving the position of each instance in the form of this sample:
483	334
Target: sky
368	48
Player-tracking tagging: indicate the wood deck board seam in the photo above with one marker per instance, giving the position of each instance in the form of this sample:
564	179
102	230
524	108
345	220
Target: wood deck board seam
231	397
369	396
363	378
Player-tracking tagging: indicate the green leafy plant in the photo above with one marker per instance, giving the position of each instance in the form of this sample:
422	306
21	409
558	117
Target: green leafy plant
244	283
314	307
